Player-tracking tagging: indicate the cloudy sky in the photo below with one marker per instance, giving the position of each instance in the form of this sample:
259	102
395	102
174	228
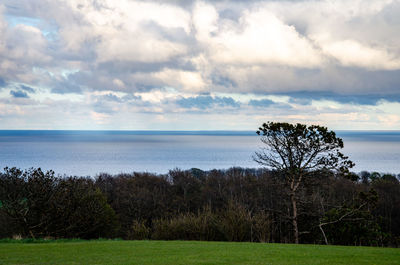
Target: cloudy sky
199	65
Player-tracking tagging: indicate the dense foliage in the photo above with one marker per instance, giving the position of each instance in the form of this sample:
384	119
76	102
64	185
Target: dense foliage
233	205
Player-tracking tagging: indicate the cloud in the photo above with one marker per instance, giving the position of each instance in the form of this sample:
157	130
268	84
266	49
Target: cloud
257	46
259	37
124	31
19	94
184	80
352	53
261	102
65	86
170	57
206	102
389	119
300	100
306	98
27	88
111	97
2	83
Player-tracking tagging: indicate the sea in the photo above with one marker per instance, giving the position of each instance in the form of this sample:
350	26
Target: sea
88	153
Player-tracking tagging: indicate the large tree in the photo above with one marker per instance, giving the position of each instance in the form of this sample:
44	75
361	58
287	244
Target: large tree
296	150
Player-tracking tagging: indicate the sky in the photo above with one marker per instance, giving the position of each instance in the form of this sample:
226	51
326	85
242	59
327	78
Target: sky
199	65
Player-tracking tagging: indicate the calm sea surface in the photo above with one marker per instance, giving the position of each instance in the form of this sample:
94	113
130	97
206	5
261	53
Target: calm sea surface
86	153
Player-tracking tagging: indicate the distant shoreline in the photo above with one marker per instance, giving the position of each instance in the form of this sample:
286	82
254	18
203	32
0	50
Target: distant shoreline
341	133
76	152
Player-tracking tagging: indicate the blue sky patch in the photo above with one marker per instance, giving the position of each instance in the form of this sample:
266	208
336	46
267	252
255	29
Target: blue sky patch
19	94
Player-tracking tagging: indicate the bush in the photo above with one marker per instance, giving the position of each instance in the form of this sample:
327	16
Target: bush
233	224
262	227
37	205
139	231
236	223
202	226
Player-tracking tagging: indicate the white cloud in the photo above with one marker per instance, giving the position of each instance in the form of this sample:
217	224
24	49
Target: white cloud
352	53
120	30
261	38
99	118
156	52
205	20
137	49
21	46
184	80
118	83
389	120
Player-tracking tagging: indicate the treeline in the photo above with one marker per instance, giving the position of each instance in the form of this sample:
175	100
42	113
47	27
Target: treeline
225	205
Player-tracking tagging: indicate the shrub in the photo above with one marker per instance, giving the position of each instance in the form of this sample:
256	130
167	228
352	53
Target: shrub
139	231
188	226
236	223
262	227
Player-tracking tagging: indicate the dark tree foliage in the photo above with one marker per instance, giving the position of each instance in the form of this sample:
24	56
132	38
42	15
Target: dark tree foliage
388	205
26	198
296	150
186	188
140	196
231	205
81	210
352	221
39	204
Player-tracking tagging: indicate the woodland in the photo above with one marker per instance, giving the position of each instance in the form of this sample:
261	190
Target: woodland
236	204
304	193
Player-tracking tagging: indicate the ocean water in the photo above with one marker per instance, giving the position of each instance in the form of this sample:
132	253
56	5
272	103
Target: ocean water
87	153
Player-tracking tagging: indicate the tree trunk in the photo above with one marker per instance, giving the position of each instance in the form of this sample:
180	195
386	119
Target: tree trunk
323	234
294	217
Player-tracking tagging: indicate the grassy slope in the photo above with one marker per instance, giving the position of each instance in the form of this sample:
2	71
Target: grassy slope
190	252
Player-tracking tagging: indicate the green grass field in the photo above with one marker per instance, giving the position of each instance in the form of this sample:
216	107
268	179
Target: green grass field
190	252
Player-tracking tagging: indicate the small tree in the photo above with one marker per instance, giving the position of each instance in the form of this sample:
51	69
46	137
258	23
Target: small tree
296	150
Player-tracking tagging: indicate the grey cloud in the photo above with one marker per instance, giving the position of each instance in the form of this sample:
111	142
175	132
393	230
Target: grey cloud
305	98
3	83
221	80
101	107
118	67
111	97
27	88
106	103
266	103
66	87
19	94
101	77
300	100
99	81
261	102
344	84
206	101
174	34
69	40
115	98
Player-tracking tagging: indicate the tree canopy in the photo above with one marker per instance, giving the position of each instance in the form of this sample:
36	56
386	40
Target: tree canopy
299	148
